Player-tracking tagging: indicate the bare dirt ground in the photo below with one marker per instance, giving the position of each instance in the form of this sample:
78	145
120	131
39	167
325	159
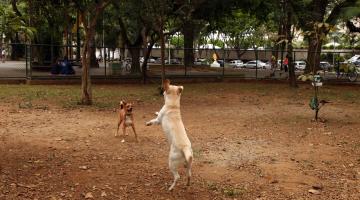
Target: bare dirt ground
249	142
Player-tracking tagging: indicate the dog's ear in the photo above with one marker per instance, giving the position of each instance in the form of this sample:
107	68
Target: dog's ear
122	104
166	84
180	89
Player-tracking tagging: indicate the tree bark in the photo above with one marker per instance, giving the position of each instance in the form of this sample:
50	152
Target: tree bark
135	58
92	50
162	43
188	31
289	37
314	52
318	11
146	57
86	93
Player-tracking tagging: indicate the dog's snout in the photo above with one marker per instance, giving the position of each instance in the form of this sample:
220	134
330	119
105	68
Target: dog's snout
129	109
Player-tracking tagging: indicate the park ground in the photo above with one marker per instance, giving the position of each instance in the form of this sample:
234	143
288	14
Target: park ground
250	141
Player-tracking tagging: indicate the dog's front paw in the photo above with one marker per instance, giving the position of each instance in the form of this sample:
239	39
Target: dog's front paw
148	123
156	113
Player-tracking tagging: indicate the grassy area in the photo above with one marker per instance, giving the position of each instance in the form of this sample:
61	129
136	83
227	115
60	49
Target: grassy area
108	96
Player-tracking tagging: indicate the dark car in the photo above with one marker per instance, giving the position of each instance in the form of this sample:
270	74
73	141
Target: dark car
221	62
325	66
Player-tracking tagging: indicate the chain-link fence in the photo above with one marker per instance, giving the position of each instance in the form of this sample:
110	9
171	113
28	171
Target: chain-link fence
58	61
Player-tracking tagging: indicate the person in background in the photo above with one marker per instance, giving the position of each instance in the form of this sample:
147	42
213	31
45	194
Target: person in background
3	55
66	67
56	67
286	63
273	65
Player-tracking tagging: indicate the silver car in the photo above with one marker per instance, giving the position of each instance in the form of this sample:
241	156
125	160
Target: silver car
300	65
236	64
260	65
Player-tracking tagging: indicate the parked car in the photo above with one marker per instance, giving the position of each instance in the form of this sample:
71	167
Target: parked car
325	65
236	64
150	60
354	59
173	61
357	63
300	65
201	61
260	65
221	62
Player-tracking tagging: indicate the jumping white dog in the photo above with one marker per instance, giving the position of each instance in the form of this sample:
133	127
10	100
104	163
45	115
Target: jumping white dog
170	118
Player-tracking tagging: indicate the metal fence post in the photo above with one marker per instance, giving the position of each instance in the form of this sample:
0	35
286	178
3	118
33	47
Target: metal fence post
30	60
256	67
185	67
223	70
104	59
26	62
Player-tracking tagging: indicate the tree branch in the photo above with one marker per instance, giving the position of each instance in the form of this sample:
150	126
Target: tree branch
336	12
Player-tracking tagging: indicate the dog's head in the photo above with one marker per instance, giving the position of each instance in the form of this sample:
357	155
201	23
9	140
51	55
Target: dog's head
128	107
172	93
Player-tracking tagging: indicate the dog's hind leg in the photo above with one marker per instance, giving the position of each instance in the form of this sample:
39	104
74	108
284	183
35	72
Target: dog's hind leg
133	128
174	161
118	126
188	171
124	129
188	162
173	168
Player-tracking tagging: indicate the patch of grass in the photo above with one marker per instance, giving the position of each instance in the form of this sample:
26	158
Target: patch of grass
108	96
212	186
196	153
68	96
230	191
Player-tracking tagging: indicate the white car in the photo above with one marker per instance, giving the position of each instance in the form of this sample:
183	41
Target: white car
300	65
260	65
354	59
236	64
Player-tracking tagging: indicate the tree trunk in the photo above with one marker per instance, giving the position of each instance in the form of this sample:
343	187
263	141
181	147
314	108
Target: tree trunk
146	57
86	93
135	58
289	37
318	9
86	96
314	52
92	50
162	43
17	49
188	31
78	41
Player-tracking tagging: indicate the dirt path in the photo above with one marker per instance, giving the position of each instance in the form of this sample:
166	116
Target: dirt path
251	147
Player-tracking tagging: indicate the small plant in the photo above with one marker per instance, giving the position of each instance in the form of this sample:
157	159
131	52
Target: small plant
212	186
197	153
232	192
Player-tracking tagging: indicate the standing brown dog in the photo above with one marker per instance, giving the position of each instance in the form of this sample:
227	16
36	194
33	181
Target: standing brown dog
126	118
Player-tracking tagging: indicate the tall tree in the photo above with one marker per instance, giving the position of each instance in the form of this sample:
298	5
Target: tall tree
89	11
311	16
289	38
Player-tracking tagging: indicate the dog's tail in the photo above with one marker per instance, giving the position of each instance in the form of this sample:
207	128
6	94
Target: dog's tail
188	155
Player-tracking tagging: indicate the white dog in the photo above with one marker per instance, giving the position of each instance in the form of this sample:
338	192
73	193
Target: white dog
170	118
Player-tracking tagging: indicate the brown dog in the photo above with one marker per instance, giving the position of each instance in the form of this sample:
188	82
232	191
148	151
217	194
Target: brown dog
126	118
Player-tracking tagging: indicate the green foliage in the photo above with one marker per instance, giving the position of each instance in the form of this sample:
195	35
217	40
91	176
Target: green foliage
12	24
177	41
